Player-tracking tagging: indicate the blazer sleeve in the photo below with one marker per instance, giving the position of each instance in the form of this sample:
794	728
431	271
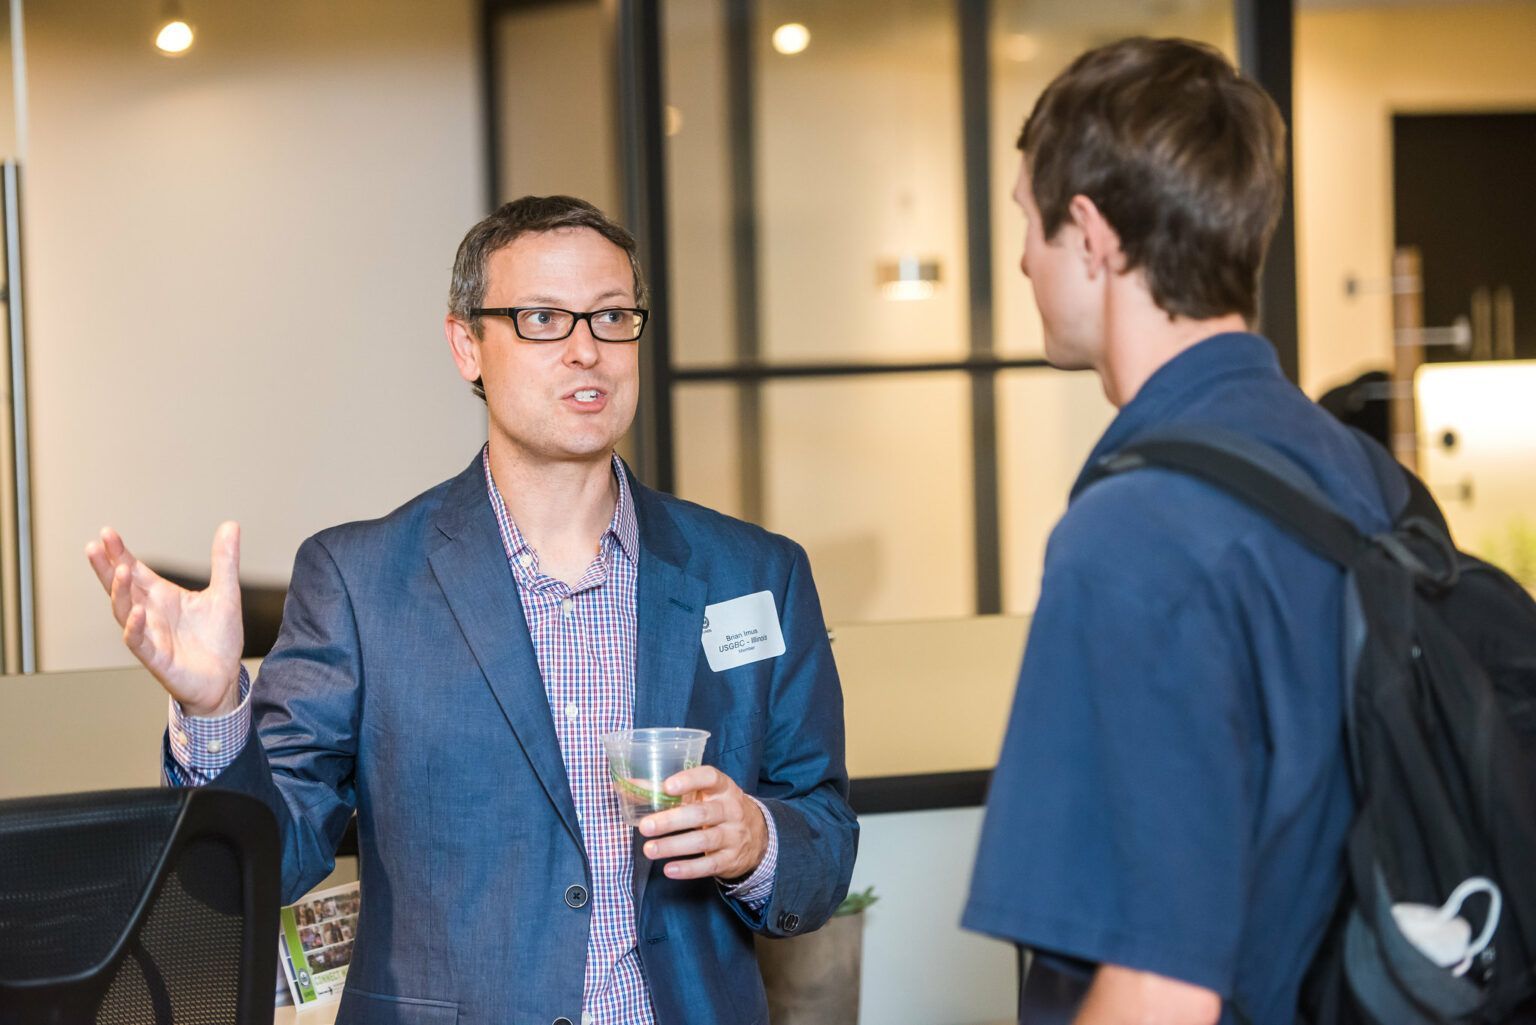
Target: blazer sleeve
804	776
307	704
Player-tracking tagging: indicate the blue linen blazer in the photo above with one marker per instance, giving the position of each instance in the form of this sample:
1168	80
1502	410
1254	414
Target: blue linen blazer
404	686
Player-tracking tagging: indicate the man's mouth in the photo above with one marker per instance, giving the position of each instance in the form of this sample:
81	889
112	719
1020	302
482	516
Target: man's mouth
587	395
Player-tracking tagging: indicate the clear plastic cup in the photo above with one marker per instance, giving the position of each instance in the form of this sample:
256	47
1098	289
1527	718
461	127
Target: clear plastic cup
640	761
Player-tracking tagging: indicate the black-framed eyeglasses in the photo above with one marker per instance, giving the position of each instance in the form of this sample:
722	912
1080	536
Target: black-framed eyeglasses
552	324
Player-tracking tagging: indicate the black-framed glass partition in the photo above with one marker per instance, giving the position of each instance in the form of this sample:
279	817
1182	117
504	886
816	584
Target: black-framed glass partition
847	352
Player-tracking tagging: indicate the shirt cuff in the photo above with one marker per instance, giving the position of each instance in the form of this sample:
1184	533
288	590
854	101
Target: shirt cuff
755	890
204	747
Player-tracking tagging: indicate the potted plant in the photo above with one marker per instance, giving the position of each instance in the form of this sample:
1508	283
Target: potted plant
814	979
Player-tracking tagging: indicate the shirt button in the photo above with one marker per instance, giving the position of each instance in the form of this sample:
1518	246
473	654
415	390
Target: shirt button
566	605
571	711
181	737
576	896
587	1019
525	560
215	746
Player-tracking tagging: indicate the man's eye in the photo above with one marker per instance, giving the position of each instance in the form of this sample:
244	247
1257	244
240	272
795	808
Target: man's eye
610	316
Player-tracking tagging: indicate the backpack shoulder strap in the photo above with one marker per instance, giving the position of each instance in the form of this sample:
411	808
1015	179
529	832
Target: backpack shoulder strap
1420	504
1249	470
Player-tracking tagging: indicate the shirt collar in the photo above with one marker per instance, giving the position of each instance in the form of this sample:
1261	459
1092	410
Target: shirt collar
1179	382
623	529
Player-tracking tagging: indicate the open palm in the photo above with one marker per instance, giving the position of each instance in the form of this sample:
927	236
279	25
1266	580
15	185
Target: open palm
189	640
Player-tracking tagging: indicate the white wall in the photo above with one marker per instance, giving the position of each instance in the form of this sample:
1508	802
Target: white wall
236	269
1354	70
920	968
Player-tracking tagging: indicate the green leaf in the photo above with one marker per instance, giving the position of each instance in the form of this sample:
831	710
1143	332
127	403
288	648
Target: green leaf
856	902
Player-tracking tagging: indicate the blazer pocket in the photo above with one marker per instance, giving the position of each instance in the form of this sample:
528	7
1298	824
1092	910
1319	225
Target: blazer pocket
366	1008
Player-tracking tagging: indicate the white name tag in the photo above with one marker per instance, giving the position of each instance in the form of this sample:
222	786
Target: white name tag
741	631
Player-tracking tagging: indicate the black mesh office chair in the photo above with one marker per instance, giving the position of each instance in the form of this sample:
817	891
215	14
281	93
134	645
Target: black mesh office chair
138	907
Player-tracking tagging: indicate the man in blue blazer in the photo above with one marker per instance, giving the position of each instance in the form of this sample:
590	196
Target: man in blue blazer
446	672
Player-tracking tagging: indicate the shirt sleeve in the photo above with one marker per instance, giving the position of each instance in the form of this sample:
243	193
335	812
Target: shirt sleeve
203	747
1120	818
757	889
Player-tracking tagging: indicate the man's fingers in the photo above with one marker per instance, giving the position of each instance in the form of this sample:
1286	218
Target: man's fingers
96	555
689	816
144	582
121	590
702	867
224	573
696	841
112	541
703	778
136	634
105	553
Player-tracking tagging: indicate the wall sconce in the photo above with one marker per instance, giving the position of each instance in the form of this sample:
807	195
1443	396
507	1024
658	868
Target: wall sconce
908	278
174	36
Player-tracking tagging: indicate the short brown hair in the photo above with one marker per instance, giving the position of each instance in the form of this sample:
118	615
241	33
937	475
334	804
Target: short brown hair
530	215
1183	156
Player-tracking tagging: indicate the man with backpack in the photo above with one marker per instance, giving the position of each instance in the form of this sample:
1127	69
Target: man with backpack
1165	833
1273	750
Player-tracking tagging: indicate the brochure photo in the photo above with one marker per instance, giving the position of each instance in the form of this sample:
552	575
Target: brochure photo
316	943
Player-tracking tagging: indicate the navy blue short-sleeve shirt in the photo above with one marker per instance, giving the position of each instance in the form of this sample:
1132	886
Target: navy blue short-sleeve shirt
1172	793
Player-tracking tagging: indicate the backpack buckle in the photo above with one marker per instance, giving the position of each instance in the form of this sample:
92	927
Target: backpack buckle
1120	462
1414	535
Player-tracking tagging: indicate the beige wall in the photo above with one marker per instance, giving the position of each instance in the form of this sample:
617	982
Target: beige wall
237	263
1354	70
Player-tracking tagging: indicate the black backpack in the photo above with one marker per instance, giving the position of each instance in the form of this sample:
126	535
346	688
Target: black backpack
1440	707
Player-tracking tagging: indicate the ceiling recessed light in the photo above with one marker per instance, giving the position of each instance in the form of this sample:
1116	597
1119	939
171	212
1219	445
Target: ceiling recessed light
792	38
174	38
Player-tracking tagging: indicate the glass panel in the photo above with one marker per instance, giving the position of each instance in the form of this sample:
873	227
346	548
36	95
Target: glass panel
1048	422
857	166
557	127
1031	42
706	442
873	476
699	197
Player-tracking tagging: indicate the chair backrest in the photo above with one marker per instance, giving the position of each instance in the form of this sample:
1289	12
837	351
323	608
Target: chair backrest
138	906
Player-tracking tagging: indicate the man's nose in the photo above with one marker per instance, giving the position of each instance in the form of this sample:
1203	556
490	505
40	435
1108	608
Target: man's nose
581	348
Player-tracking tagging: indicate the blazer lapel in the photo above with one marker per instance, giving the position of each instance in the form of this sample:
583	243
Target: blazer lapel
471	568
669	607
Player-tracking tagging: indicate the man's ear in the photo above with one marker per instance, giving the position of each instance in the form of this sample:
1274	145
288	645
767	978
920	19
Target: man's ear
465	346
1101	242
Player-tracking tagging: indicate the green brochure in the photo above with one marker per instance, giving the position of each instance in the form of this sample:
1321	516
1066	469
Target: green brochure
316	943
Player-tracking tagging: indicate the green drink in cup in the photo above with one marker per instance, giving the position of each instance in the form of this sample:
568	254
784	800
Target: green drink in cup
640	761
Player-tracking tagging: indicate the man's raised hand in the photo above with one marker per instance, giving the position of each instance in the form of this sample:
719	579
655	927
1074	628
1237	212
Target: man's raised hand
189	640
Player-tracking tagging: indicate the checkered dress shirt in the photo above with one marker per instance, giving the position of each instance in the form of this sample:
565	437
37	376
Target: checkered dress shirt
585	640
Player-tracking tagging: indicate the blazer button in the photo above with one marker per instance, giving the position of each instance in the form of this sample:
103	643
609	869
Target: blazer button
562	1021
789	921
575	897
